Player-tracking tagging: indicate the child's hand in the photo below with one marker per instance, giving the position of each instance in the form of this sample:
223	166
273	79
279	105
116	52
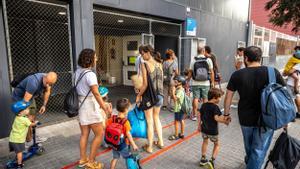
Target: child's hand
134	147
227	120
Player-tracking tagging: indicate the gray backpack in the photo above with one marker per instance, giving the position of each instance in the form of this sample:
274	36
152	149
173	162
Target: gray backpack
201	69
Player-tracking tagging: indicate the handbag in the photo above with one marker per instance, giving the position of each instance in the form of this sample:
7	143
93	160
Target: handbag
149	97
138	123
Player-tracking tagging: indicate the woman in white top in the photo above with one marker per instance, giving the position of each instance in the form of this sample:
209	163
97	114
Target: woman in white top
90	114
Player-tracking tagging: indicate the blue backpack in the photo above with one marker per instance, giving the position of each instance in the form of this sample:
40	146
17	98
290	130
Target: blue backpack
277	104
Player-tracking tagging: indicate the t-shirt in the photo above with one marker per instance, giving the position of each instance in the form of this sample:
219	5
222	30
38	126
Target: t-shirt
290	80
210	66
240	59
209	124
32	84
127	127
214	61
88	80
290	64
180	97
249	82
19	129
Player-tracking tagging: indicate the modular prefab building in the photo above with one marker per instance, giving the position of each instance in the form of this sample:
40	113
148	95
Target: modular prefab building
48	35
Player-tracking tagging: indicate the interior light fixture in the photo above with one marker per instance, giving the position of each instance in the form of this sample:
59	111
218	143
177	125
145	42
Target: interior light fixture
120	21
62	13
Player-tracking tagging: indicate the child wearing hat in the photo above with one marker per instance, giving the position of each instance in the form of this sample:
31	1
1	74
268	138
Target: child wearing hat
17	136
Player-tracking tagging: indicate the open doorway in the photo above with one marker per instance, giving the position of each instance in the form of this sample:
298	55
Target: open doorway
162	43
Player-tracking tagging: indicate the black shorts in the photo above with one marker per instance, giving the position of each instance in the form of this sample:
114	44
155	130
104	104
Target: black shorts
178	116
16	147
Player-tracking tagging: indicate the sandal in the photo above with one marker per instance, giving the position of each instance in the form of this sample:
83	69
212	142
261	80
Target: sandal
173	137
146	148
181	136
94	165
82	163
156	143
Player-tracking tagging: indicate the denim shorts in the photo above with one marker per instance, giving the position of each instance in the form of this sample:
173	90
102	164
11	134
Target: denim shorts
160	101
125	153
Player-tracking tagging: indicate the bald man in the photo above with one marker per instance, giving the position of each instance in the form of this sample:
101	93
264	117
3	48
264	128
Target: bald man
32	87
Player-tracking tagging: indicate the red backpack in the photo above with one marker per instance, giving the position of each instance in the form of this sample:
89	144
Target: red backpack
114	133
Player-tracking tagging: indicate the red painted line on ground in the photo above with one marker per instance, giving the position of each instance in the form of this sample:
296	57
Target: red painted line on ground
106	150
156	154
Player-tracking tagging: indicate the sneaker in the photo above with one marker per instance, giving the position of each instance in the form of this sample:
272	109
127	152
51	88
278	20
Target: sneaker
203	161
194	119
94	165
234	106
20	166
40	139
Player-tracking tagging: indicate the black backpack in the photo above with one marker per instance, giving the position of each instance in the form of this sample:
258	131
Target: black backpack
286	152
19	78
201	69
71	102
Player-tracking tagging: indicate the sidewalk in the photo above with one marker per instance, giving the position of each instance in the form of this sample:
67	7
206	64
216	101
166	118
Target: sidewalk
62	147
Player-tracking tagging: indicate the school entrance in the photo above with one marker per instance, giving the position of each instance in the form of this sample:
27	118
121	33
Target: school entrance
117	38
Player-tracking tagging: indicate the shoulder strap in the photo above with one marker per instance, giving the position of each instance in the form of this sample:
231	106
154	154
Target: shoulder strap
271	75
81	76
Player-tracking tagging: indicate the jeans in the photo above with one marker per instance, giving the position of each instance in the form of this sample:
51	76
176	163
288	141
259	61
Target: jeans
256	143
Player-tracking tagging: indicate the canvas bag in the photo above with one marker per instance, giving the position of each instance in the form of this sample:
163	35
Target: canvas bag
149	97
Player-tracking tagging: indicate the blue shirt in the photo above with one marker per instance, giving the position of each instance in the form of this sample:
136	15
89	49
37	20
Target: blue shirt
32	84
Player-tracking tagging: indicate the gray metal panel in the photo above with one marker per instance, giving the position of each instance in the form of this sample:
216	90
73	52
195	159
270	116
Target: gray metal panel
152	7
82	26
222	35
6	117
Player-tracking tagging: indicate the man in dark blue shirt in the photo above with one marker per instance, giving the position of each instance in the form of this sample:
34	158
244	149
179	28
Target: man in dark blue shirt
32	87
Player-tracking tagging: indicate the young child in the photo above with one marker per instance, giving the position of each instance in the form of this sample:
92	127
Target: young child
124	150
289	71
106	115
18	134
178	97
210	116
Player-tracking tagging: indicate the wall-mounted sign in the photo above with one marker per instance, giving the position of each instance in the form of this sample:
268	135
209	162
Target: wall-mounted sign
191	27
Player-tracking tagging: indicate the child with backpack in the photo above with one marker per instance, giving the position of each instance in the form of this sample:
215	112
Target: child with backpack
178	97
210	116
117	133
18	134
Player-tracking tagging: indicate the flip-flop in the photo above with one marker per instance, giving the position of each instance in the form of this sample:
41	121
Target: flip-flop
145	148
173	137
158	145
